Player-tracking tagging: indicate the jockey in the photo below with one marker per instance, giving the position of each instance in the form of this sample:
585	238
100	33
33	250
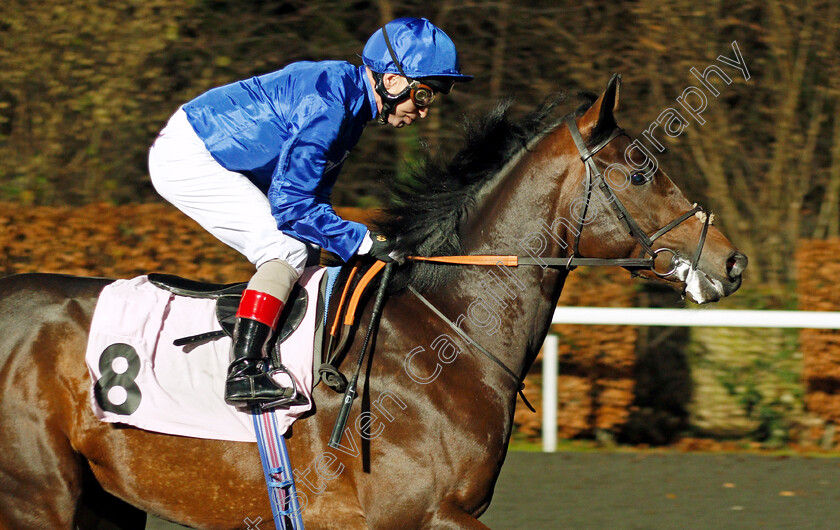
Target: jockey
254	163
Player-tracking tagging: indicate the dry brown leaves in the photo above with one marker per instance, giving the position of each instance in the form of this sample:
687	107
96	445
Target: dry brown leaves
818	289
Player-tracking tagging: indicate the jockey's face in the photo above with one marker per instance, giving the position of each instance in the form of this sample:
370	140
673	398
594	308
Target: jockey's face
406	112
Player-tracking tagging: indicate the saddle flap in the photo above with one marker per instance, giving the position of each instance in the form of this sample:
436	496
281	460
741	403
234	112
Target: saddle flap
228	296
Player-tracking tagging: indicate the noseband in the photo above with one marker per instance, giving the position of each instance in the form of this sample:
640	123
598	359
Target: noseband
594	176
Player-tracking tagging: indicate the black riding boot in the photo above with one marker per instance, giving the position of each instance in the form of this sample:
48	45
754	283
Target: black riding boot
248	383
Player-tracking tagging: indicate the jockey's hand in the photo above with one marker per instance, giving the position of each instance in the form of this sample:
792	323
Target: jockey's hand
381	248
378	246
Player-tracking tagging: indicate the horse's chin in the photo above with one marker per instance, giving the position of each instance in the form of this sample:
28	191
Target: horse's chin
703	288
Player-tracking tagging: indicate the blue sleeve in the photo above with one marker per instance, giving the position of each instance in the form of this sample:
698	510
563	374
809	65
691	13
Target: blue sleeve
299	191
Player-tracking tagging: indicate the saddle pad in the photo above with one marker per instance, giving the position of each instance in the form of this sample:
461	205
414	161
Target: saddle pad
141	379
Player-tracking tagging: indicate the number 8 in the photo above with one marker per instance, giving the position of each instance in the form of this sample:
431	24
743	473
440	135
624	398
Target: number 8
110	379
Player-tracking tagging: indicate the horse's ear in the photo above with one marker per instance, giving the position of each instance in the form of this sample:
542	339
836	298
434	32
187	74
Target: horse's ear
601	112
614	88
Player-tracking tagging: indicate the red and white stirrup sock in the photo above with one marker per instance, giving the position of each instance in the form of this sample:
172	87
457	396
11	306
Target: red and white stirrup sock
261	307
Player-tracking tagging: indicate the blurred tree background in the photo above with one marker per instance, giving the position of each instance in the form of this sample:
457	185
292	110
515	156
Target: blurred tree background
86	85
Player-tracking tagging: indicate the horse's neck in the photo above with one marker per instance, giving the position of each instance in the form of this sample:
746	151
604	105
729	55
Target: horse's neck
509	310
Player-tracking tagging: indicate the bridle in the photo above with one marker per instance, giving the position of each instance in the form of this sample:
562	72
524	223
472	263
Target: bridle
593	177
645	241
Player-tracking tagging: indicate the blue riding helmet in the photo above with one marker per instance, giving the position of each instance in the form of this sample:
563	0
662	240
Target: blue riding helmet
415	49
423	50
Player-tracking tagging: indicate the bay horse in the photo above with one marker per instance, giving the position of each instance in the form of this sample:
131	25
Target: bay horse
427	444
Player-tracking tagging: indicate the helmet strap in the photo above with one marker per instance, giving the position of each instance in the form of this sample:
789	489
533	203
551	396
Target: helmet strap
389	101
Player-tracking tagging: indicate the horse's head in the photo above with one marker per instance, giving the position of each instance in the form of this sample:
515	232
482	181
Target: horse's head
622	205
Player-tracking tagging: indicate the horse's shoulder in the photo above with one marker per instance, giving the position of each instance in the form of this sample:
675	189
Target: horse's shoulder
36	309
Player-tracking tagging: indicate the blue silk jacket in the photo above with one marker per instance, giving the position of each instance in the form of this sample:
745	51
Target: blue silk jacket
289	132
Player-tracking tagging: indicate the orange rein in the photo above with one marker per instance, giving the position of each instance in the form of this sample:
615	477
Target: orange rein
357	294
350	315
507	261
353	271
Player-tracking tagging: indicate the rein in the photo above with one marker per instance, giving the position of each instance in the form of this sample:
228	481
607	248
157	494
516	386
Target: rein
516	261
336	380
478	346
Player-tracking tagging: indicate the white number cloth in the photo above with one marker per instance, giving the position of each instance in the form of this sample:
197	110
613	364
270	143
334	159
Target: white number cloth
141	379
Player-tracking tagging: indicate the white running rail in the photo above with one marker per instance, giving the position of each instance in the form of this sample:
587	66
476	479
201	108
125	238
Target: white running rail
629	316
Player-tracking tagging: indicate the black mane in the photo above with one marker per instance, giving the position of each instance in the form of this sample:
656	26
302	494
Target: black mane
427	208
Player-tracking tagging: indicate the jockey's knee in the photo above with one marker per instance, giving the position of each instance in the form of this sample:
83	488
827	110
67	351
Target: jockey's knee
275	277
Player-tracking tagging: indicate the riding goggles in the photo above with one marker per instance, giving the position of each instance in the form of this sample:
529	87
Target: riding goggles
421	95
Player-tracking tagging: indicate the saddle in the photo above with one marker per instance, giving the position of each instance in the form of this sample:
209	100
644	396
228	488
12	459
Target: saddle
227	298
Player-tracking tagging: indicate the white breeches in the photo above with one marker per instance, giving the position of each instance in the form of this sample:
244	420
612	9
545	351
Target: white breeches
224	203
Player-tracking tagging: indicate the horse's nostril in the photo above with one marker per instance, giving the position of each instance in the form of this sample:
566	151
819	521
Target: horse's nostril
730	263
735	265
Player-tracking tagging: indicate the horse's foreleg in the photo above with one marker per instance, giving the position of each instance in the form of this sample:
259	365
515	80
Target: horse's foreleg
40	476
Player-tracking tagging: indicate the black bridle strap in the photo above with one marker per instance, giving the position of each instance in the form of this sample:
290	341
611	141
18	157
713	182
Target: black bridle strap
673	224
477	346
591	169
587	193
706	222
621	212
574	261
586	155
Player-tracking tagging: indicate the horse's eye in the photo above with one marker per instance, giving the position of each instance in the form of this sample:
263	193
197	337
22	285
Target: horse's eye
638	178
